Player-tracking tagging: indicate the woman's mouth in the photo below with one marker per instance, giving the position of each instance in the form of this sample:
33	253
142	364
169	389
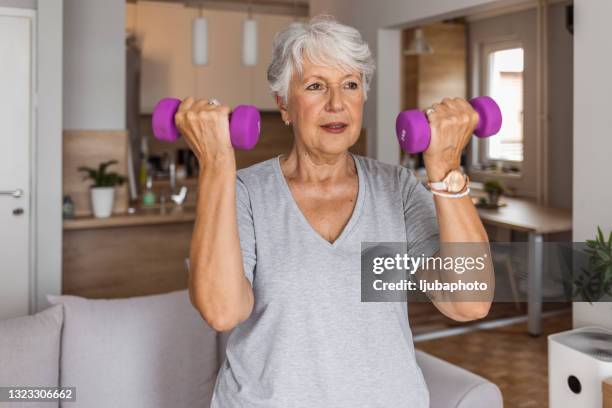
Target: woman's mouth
334	127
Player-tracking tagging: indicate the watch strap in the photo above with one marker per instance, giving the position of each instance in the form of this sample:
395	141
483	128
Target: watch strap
463	193
438	185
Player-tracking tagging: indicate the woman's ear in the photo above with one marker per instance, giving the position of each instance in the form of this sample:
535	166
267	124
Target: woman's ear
282	107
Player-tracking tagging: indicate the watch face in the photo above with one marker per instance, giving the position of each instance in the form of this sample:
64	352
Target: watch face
455	180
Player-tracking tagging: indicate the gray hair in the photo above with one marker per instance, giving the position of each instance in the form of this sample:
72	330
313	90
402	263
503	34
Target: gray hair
324	41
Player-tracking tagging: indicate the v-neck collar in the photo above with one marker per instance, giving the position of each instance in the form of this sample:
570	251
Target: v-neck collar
354	215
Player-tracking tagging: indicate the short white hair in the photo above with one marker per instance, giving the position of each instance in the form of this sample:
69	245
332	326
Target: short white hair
324	41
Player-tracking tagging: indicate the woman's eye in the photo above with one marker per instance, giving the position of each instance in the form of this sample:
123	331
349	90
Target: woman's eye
314	87
352	85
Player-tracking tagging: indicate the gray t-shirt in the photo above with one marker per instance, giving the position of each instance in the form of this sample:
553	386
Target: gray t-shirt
310	342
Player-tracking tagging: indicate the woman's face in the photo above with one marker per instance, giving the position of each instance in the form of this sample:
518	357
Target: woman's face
325	106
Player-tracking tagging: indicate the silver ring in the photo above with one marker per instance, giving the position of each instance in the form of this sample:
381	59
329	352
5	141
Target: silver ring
214	101
429	111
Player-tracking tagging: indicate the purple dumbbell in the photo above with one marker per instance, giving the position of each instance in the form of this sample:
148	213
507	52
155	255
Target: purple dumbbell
244	123
414	135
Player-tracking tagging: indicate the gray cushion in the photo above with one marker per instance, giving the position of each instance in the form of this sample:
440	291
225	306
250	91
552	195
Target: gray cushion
30	351
149	351
453	387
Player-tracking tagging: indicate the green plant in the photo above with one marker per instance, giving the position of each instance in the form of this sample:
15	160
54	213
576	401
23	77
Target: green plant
101	177
493	187
596	282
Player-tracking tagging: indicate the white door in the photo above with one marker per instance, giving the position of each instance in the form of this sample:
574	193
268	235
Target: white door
16	130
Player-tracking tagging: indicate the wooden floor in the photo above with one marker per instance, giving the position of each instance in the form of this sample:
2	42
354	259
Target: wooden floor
425	318
506	356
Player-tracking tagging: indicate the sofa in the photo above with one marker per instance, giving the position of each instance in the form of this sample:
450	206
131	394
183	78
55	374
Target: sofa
155	351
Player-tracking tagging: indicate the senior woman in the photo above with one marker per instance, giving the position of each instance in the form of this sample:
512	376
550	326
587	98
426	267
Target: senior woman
275	251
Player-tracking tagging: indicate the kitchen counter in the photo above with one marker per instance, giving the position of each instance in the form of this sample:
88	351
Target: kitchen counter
127	255
142	216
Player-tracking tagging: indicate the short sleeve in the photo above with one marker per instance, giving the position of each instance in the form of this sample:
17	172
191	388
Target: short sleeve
246	229
422	232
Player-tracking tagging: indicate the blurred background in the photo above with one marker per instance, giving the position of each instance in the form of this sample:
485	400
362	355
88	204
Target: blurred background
82	77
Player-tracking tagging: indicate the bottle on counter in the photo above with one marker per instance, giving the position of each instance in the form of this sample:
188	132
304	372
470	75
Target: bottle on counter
68	207
148	198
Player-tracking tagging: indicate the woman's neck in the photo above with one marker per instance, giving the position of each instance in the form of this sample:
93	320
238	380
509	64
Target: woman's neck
304	166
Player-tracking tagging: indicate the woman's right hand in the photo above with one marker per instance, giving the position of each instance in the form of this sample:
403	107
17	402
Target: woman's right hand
206	130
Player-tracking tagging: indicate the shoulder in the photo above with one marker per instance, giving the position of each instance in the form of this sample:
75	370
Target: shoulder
258	174
375	168
391	175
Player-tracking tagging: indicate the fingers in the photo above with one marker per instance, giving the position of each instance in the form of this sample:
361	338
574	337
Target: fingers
432	110
466	107
192	113
190	109
186	104
458	108
450	102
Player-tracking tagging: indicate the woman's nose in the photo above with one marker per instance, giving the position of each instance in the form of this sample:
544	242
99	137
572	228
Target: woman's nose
334	101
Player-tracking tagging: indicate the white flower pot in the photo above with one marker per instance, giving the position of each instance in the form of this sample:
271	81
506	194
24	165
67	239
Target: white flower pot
102	199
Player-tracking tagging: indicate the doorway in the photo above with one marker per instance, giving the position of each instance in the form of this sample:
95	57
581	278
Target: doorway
17	42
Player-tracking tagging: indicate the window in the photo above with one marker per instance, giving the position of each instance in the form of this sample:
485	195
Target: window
505	84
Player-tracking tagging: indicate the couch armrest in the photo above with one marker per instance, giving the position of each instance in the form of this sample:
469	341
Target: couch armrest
454	387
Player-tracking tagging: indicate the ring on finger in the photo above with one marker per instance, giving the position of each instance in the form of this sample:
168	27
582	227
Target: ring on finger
214	101
429	111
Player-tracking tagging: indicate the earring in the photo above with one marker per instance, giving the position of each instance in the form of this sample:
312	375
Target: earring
287	123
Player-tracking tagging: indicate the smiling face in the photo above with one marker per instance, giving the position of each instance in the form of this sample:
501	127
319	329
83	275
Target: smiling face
325	105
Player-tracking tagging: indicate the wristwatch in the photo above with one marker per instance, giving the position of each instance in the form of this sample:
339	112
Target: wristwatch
455	181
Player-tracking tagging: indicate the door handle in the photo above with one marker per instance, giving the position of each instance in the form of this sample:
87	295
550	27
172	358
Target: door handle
15	193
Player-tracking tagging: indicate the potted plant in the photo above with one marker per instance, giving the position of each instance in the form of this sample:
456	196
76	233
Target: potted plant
595	281
494	190
103	188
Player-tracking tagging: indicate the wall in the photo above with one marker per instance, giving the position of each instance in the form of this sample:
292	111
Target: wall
28	4
48	190
560	108
592	143
94	64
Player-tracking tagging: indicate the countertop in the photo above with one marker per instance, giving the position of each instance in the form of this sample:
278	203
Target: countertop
142	216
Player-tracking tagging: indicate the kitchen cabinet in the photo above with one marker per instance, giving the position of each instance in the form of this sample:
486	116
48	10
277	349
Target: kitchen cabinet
164	32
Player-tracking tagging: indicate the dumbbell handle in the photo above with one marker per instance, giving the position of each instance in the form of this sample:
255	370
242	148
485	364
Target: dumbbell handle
245	123
414	134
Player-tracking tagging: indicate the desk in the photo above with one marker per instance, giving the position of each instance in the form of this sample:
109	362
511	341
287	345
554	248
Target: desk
536	220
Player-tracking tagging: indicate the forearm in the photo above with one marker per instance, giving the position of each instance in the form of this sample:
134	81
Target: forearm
217	285
462	235
458	220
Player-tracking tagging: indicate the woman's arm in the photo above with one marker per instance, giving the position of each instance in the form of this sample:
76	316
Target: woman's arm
218	287
460	225
452	125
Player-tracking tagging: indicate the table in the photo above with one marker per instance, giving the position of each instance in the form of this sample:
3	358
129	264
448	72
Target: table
536	220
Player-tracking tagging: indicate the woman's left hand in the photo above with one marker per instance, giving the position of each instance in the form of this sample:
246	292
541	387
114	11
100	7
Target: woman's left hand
452	124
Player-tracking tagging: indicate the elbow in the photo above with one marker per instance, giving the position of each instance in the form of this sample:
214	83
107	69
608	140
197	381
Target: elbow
219	321
217	318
